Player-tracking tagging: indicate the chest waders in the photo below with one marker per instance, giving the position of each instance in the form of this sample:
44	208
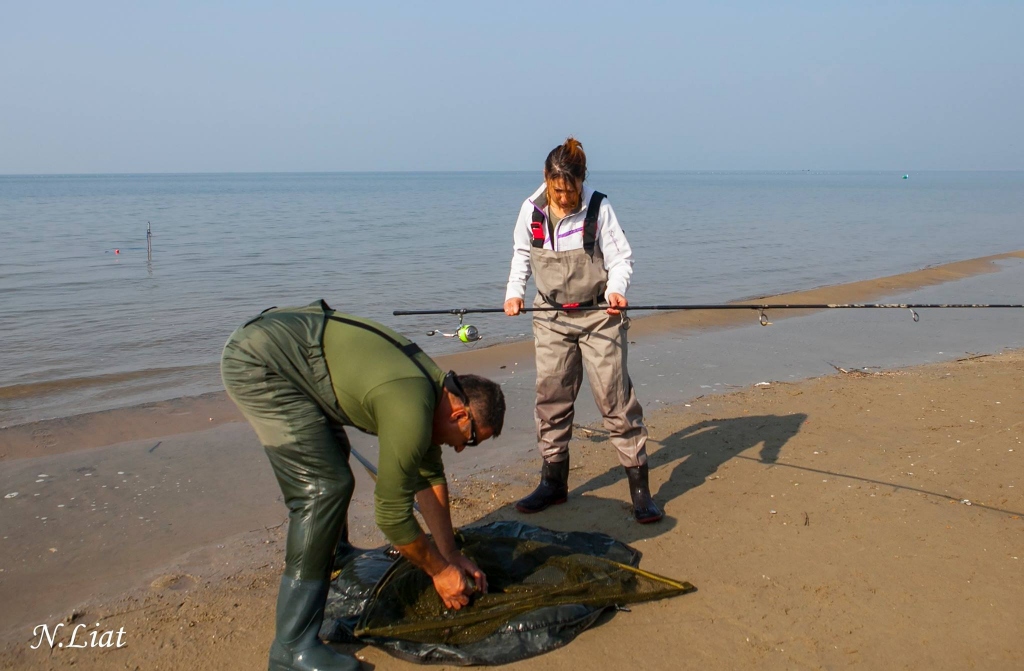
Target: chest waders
566	343
274	369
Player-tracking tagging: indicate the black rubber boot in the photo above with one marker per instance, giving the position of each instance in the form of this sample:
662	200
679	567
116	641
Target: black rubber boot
552	490
645	510
300	612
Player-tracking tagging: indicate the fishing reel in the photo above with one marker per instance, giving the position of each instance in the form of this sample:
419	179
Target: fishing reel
466	333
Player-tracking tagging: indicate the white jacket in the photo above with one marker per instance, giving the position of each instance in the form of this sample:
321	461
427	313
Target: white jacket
618	257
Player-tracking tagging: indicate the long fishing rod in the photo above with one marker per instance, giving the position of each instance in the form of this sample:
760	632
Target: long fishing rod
468	333
372	470
367	464
713	306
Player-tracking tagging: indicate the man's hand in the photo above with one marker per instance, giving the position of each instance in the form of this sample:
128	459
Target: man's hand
451	583
470	569
452	587
615	301
514	306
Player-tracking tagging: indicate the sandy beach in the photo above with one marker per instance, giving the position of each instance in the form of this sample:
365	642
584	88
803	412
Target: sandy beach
859	507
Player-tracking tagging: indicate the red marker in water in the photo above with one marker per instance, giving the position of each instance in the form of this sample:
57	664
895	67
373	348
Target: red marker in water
117	251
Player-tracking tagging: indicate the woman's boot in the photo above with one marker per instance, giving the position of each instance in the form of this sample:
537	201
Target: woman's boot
645	510
297	647
553	488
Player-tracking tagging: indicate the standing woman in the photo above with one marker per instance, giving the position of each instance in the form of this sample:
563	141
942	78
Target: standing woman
568	238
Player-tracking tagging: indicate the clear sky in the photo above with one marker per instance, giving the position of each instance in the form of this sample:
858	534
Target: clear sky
89	87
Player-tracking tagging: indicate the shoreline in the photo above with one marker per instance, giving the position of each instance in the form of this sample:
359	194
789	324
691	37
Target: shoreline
185	414
196	509
866	518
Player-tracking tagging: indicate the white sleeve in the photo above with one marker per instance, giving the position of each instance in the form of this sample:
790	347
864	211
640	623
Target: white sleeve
618	256
521	241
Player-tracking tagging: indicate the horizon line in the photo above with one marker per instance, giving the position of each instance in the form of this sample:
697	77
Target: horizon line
468	172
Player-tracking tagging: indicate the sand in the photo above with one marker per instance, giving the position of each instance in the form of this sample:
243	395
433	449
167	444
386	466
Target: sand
867	519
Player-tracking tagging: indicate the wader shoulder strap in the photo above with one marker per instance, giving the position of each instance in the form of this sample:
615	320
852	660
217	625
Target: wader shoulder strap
537	229
410	350
590	223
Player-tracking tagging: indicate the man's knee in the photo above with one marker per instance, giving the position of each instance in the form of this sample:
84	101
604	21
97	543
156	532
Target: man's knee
335	490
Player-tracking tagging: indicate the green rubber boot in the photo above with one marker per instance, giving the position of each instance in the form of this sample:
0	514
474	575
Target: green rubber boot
344	551
297	647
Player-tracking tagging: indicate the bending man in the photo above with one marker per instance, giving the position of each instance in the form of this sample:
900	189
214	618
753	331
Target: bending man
299	375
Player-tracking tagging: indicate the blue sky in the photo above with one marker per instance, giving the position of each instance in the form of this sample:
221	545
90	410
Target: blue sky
325	86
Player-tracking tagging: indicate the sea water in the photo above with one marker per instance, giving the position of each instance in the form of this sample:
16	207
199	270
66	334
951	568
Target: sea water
88	321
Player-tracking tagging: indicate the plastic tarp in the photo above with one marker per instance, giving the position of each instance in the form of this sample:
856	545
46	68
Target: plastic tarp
545	587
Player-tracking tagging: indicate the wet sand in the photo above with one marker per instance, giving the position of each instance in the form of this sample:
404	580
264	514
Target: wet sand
189	414
165	519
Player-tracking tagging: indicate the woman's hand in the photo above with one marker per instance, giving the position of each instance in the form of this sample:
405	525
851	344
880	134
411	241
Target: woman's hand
615	301
514	306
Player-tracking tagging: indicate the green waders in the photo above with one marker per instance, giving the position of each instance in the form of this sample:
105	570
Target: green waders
273	368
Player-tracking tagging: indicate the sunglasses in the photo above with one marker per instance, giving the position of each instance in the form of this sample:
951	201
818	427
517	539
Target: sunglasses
452	384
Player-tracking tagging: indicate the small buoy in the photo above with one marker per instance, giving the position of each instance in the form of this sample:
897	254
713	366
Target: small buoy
117	251
906	176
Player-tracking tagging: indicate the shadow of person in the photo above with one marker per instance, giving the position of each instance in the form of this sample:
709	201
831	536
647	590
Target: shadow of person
698	450
612	516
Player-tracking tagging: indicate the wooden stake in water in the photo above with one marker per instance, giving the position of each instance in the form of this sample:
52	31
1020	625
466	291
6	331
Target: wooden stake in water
149	241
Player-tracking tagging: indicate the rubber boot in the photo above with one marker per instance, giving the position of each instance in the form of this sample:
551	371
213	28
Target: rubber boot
344	551
645	510
552	490
297	647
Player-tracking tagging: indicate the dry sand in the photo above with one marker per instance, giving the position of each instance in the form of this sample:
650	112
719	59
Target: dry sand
865	520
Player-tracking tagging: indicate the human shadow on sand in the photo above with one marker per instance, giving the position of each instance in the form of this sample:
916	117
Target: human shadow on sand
696	452
701	448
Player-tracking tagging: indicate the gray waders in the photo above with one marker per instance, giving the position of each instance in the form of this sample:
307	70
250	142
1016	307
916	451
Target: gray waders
566	343
273	368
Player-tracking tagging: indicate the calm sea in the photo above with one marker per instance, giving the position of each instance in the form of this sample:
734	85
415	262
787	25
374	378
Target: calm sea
84	327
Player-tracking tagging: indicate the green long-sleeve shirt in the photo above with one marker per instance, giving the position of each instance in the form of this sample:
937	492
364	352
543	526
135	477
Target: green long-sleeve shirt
381	391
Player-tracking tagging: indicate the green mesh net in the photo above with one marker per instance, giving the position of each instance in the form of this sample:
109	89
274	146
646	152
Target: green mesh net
545	588
523	576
